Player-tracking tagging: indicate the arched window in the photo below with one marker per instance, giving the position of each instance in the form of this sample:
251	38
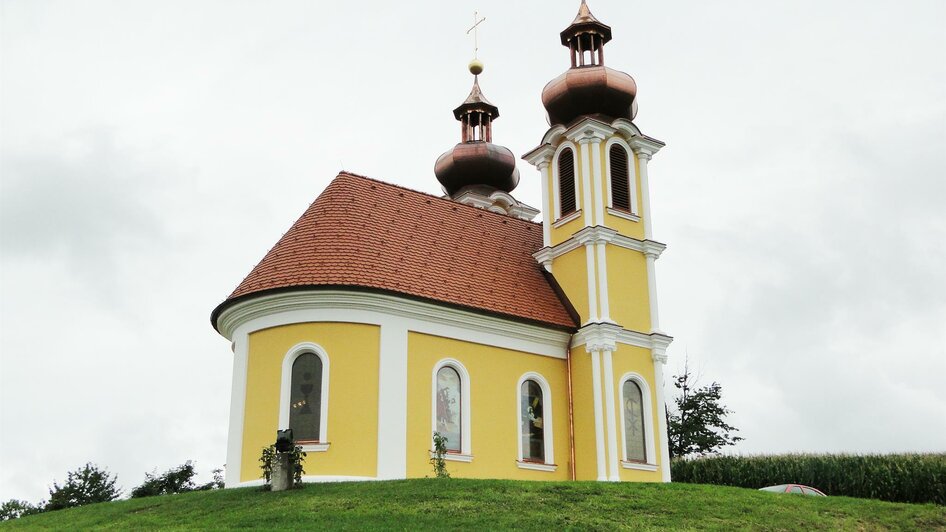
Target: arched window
566	182
305	398
637	424
635	447
449	408
303	403
620	182
533	422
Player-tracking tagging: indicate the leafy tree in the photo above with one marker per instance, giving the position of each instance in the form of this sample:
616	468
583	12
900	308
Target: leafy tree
83	486
697	426
14	509
175	480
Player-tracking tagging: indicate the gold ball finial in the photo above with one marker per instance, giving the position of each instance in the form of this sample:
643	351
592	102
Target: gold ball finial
476	67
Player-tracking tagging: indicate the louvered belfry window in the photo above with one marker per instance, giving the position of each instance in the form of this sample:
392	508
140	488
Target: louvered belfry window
620	184
566	181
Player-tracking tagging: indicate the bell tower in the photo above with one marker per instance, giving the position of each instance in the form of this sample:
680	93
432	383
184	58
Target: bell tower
599	246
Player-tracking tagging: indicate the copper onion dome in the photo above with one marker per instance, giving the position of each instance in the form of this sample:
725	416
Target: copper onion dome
476	160
589	87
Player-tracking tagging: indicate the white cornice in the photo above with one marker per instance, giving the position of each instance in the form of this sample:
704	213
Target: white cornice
370	307
593	235
589	129
644	145
540	155
606	336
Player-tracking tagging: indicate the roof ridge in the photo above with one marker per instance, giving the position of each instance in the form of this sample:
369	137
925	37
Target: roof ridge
346	173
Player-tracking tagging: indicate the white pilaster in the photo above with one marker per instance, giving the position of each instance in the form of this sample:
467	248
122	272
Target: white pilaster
642	158
611	413
596	175
586	194
237	408
652	291
392	402
545	178
660	358
603	281
599	414
592	282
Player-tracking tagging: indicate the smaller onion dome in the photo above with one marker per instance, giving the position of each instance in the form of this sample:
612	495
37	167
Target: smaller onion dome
476	160
589	87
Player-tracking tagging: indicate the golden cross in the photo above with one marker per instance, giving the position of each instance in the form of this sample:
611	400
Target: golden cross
474	29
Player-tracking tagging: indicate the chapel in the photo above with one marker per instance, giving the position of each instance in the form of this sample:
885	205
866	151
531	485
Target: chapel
385	315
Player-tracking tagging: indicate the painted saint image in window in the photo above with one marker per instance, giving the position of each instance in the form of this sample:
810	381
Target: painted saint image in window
305	398
634	423
532	430
448	407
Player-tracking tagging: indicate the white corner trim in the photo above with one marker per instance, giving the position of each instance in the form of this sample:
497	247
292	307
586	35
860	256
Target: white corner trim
547	416
562	221
540	154
598	414
622	214
466	443
285	387
392	401
454	457
315	447
647	405
352	306
638	466
642	144
611	413
535	466
237	409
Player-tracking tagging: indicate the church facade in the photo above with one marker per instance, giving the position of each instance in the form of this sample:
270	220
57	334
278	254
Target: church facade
386	315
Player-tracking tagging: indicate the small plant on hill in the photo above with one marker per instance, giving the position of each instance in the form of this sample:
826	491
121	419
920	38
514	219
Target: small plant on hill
296	458
437	460
84	486
176	480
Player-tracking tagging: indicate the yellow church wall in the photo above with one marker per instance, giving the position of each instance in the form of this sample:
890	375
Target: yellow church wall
352	426
638	360
494	373
571	273
565	231
628	298
586	465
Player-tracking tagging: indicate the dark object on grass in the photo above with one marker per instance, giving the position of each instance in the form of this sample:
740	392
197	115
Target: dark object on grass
284	442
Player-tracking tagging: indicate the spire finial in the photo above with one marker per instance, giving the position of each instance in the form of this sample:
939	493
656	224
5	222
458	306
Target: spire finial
476	66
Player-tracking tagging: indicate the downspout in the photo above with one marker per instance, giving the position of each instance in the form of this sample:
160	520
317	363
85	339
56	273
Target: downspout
571	411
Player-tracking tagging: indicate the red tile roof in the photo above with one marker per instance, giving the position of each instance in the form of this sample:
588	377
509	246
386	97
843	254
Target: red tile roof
369	234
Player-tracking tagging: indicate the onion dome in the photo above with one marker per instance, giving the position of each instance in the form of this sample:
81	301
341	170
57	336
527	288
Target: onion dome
589	87
476	160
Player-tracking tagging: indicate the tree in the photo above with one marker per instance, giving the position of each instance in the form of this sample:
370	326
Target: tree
14	509
697	426
83	486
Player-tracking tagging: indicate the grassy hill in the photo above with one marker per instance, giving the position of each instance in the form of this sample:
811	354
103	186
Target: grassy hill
493	504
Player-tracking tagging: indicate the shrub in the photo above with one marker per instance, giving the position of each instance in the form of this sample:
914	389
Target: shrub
14	509
176	480
437	460
296	459
916	478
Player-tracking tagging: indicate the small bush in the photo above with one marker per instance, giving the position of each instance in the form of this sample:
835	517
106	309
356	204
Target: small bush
296	463
86	485
176	480
916	478
15	509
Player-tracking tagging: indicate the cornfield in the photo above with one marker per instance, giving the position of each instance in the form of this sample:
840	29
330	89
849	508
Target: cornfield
917	478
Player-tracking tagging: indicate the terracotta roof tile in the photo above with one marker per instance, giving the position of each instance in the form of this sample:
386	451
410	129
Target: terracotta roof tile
365	233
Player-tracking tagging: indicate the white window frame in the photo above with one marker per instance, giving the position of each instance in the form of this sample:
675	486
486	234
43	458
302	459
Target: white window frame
285	389
634	215
466	440
647	405
547	417
556	200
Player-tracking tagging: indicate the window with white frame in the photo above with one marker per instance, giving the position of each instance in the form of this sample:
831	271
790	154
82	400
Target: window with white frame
450	412
304	396
566	182
620	180
636	422
535	423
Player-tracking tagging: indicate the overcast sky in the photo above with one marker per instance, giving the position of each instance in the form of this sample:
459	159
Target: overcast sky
152	152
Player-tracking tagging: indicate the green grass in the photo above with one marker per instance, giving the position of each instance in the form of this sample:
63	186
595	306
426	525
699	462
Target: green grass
494	504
